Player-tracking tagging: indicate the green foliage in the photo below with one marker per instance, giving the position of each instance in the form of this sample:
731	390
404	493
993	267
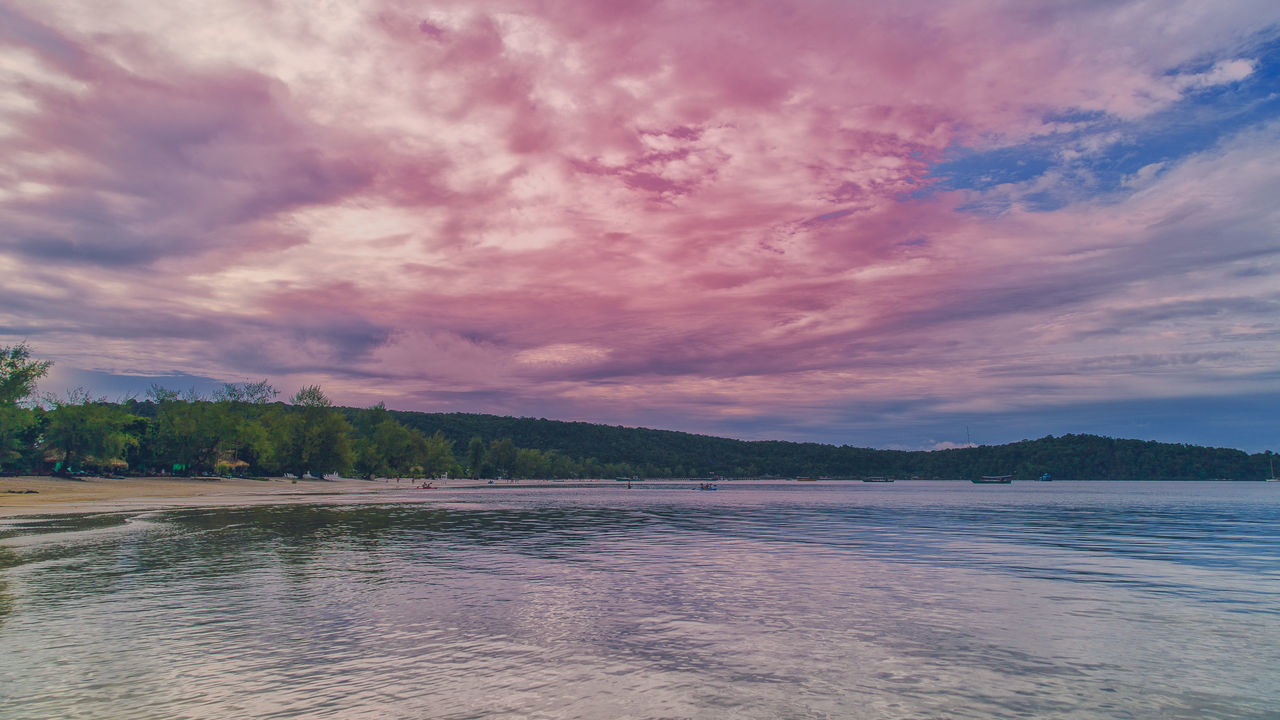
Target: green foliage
311	396
311	436
86	430
475	456
19	373
501	456
389	449
437	455
243	406
189	435
241	429
19	438
384	447
255	393
588	450
161	395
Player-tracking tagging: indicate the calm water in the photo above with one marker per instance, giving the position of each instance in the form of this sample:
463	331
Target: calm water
910	600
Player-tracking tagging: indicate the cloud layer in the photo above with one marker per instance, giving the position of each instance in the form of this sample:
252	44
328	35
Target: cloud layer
763	219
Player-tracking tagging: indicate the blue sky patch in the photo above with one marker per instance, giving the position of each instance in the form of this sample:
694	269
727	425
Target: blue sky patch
1103	153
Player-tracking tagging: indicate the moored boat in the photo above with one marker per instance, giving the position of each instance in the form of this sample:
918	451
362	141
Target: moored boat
993	480
878	479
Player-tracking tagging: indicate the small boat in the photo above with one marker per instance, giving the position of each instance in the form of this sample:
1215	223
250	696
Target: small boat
993	480
707	486
1273	477
1046	477
806	479
877	478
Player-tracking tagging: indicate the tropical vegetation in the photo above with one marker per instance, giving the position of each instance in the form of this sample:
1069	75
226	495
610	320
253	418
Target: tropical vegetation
243	429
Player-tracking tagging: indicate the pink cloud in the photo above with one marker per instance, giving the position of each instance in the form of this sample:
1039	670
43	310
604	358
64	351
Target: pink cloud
671	205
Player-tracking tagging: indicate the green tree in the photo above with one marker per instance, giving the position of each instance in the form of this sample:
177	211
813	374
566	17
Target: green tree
312	436
437	455
531	463
502	456
19	373
19	436
189	434
19	427
310	396
475	457
563	466
248	393
243	405
369	460
389	448
87	430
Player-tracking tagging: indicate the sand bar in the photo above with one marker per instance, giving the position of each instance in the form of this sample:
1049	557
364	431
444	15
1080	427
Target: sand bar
97	494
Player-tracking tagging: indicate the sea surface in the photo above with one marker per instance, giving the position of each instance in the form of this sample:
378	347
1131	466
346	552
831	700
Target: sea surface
787	600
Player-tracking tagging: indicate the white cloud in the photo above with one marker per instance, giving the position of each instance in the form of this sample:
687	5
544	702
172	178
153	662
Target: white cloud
1226	71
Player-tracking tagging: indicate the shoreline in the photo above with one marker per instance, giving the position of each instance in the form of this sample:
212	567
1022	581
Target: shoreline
96	494
62	496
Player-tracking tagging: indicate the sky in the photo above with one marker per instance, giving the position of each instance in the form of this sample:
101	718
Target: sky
901	225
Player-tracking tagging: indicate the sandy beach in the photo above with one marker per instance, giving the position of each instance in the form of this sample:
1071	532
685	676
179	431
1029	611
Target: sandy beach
98	494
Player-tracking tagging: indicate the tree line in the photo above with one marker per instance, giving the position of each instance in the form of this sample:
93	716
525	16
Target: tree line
666	453
241	429
244	429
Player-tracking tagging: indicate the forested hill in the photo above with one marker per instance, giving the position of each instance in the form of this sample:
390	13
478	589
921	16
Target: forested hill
240	428
665	453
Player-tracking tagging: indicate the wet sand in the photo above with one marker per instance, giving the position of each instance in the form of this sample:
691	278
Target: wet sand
97	494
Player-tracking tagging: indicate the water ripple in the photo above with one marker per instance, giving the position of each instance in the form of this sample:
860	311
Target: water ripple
928	600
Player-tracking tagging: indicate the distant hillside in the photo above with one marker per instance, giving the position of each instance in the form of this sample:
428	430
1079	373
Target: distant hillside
665	453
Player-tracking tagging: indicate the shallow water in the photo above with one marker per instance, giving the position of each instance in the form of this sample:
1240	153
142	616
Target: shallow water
824	600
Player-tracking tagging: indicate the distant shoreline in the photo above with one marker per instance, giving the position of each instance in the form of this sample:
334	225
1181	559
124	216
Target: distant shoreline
34	495
62	496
